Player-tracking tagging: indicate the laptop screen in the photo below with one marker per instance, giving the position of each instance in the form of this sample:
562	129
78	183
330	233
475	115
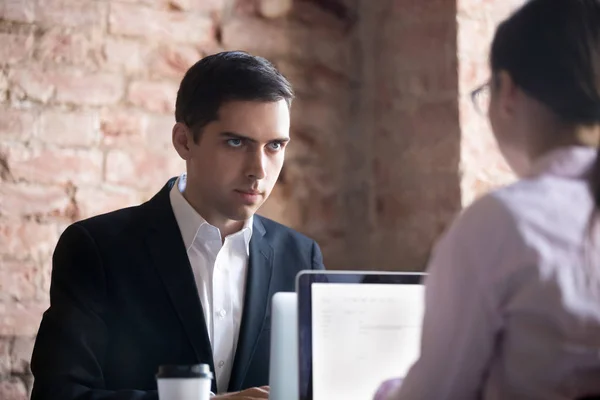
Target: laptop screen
361	334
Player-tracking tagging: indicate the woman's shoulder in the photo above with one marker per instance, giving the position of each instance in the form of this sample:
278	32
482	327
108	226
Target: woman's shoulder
539	208
506	213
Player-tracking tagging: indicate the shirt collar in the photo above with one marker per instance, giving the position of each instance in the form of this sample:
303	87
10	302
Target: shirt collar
568	162
191	223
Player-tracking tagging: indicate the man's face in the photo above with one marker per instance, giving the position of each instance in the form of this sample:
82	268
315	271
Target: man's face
237	159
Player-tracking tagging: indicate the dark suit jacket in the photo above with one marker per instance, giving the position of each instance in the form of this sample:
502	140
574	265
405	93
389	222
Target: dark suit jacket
124	301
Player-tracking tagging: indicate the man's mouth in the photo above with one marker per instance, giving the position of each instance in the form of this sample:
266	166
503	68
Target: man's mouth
249	197
250	192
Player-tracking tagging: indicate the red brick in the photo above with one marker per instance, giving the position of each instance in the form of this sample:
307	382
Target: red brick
21	318
389	246
3	86
18	199
13	389
497	9
56	166
242	33
330	48
405	88
307	182
16	124
18	280
121	128
15	47
297	74
20	354
332	84
418	144
411	11
426	166
474	37
426	123
409	200
72	13
316	81
75	128
166	26
67	85
419	44
471	75
5	365
142	169
320	46
46	276
18	10
123	54
158	133
153	96
173	60
324	213
32	84
22	239
274	8
245	8
312	14
95	201
67	46
317	116
77	87
214	7
308	147
280	207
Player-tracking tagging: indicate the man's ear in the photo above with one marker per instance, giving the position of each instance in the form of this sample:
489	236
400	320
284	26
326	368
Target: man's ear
182	140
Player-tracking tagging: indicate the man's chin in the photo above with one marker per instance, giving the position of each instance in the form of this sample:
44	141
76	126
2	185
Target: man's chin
242	213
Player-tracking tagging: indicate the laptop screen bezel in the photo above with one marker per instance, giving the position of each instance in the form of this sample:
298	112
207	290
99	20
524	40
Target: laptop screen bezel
304	281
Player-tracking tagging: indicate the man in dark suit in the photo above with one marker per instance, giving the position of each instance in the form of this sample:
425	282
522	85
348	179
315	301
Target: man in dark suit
188	276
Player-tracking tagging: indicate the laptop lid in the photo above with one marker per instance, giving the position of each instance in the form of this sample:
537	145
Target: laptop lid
356	329
283	368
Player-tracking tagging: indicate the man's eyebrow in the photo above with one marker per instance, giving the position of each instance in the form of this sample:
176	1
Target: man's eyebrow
234	135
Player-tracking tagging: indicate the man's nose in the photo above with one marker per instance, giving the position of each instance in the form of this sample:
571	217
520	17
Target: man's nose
257	165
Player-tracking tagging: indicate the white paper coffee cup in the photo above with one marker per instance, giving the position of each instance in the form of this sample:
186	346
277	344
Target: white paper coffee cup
184	382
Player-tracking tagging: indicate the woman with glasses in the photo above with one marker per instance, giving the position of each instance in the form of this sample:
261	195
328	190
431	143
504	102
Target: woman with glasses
513	292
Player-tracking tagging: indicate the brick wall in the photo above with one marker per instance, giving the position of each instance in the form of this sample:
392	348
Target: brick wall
412	127
482	166
376	169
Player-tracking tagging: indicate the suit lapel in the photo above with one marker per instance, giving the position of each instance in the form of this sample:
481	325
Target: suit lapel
256	298
170	259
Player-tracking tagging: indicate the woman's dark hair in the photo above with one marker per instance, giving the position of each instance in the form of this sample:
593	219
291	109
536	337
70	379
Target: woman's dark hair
223	77
551	49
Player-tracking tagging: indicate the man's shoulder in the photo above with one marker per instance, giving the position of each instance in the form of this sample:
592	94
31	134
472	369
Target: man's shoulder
296	248
112	223
129	218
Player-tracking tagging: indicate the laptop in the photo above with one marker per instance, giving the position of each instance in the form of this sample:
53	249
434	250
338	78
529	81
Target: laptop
283	369
356	330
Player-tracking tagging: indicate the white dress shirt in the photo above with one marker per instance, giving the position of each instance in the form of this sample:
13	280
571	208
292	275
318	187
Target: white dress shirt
513	295
219	268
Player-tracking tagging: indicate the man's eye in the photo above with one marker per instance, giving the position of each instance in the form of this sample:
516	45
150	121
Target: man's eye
275	145
234	142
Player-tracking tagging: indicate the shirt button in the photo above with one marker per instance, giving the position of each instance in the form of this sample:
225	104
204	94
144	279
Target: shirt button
221	364
222	313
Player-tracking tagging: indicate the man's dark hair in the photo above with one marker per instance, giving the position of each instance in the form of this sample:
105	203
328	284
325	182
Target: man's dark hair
223	77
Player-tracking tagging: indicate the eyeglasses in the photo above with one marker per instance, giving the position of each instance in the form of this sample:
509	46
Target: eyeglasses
481	98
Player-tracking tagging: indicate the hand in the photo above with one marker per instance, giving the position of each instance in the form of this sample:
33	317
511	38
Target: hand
261	393
387	387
